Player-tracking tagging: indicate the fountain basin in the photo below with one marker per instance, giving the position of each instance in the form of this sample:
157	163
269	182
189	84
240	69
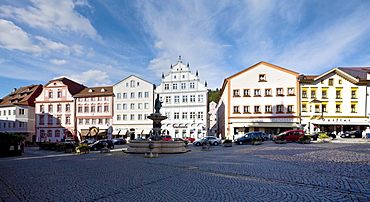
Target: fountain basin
161	147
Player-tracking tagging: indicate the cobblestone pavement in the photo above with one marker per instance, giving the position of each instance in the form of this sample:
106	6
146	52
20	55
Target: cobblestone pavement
267	172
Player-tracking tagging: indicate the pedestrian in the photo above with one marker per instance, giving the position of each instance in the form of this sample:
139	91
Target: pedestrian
368	132
364	134
22	146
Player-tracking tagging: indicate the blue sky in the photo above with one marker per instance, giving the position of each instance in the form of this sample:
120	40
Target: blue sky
101	42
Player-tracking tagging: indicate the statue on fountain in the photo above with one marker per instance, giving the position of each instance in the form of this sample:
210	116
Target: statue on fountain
157	105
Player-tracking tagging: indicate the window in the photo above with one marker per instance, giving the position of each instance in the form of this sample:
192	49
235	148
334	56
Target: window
80	121
58	121
246	109
262	77
106	108
257	109
57	133
353	93
304	107
139	94
279	91
119	106
323	107
200	98
50	120
21	112
174	86
338	108
41	109
68	120
107	121
124	95
41	120
257	92
192	115
200	115
59	108
168	99
100	121
132	106
290	108
192	98
99	109
86	109
59	95
132	95
246	92
118	117
68	108
140	105
132	83
184	98
236	93
92	109
183	85
166	86
146	105
236	109
192	85
119	95
338	94
146	94
353	108
279	108
124	117
176	115
304	94
177	99
313	93
50	133
290	91
50	94
139	117
184	115
87	121
132	117
331	82
79	109
267	92
324	94
317	108
124	106
50	108
268	109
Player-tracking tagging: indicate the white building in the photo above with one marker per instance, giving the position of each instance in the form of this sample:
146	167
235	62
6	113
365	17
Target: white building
133	103
55	111
185	101
17	112
94	112
336	101
263	97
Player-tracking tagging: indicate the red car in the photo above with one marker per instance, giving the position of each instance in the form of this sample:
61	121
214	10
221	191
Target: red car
190	139
291	135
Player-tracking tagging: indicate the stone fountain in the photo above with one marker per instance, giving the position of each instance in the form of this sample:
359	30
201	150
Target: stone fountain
155	145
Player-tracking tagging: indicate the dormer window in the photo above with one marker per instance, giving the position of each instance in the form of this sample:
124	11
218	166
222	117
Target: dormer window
103	90
262	77
91	90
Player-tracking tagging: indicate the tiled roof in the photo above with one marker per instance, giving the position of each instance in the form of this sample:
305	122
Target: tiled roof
360	72
22	96
96	91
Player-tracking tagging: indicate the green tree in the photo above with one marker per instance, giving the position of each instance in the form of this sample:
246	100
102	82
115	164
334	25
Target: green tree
214	95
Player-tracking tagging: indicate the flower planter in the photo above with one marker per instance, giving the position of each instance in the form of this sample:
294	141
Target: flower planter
228	144
85	151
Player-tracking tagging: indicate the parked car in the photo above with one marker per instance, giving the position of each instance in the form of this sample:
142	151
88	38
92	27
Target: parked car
212	140
100	144
88	141
161	138
291	135
190	139
180	139
316	135
352	134
119	141
247	138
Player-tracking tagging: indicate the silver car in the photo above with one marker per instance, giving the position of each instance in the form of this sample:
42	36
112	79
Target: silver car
209	139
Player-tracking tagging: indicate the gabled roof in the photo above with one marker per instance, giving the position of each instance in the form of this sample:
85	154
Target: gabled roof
254	66
352	75
73	87
96	91
129	77
22	96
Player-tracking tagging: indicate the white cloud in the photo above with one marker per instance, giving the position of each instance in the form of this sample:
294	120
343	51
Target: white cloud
52	15
58	62
13	37
92	78
49	45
